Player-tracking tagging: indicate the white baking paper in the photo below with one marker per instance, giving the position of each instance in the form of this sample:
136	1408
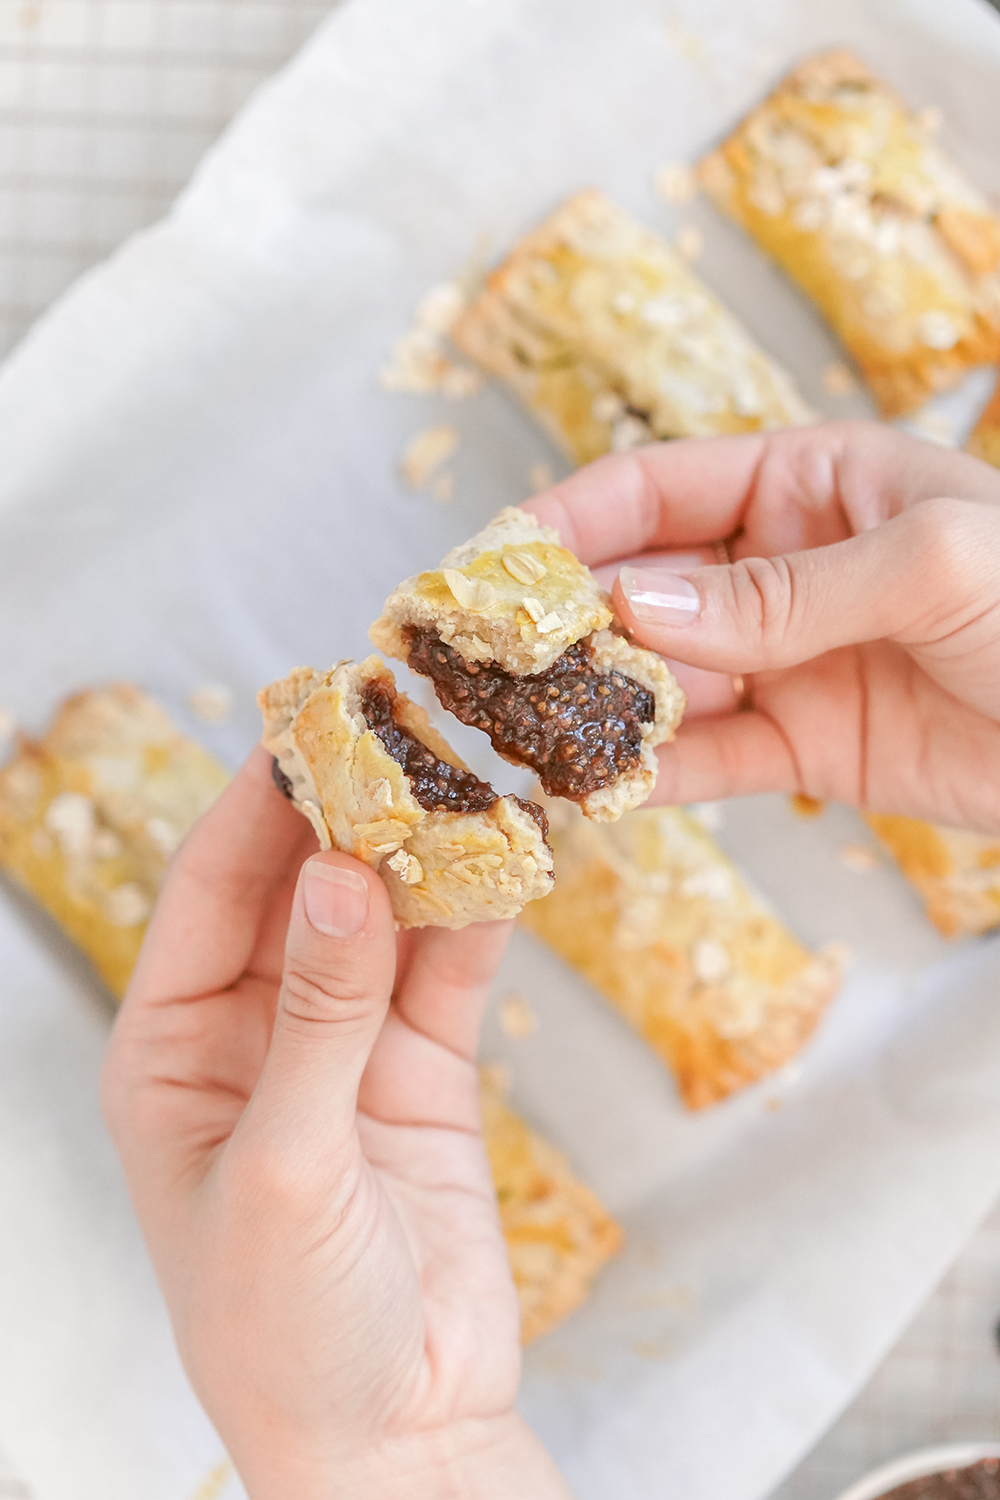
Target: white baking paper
198	484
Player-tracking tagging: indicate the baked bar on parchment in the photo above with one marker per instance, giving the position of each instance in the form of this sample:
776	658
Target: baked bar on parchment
653	913
514	634
611	340
558	1235
956	872
846	190
375	779
91	813
984	441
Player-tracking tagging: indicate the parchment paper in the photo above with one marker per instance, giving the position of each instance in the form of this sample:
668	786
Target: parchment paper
198	483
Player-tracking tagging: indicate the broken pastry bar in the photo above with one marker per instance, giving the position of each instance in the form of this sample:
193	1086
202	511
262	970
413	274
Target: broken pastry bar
847	191
611	340
653	913
513	633
956	872
558	1234
375	779
90	814
984	441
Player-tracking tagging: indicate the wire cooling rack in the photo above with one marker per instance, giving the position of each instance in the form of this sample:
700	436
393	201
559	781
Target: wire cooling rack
105	108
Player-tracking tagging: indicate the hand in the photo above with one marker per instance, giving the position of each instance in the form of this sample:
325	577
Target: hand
861	609
306	1160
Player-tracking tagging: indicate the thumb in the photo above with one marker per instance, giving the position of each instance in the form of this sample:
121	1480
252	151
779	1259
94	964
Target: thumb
340	962
930	575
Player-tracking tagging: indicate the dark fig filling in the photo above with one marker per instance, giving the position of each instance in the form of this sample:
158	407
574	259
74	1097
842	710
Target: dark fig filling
281	781
578	729
437	786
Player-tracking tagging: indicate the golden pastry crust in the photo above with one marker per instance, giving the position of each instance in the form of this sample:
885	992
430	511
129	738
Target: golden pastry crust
956	872
442	868
558	1234
984	441
610	339
514	596
655	915
843	187
90	814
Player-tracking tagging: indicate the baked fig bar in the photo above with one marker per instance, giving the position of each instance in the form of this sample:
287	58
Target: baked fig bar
653	913
610	339
847	191
956	872
558	1234
984	441
375	779
519	640
91	813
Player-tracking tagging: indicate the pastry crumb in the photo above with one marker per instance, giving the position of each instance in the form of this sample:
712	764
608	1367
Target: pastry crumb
419	363
517	1017
708	814
859	857
540	477
443	488
675	183
806	806
427	452
687	42
690	241
929	119
7	726
212	703
933	427
773	1104
838	379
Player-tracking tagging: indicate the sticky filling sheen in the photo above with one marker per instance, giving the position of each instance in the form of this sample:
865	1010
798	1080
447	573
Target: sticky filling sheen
577	728
437	786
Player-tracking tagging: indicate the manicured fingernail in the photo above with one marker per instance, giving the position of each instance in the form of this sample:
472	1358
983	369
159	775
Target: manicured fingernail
658	598
336	899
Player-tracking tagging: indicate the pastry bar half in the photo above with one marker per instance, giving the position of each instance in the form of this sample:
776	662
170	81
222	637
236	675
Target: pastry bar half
90	814
558	1234
654	914
514	634
846	190
375	779
956	872
984	441
611	341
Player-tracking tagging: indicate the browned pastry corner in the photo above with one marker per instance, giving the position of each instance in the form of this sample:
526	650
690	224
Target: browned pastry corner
956	872
375	779
984	441
519	640
90	814
558	1234
847	191
610	339
657	918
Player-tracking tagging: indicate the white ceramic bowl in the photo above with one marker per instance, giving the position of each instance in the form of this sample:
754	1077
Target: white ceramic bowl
916	1465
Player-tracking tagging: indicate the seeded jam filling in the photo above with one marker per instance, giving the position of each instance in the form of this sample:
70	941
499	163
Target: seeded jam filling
437	786
577	728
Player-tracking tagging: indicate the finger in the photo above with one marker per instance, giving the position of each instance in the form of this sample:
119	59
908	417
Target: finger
219	887
928	578
735	756
422	1068
340	962
805	486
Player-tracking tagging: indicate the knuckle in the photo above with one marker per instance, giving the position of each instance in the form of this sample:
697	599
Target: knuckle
957	542
313	996
763	600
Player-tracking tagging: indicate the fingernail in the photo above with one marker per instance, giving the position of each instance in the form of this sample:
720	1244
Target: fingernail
336	899
658	598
